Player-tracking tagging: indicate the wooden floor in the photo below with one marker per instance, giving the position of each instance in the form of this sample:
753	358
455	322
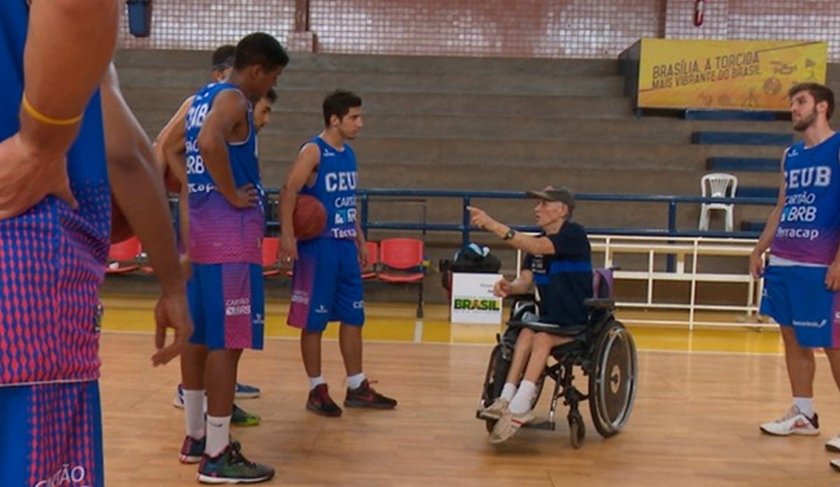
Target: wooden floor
695	423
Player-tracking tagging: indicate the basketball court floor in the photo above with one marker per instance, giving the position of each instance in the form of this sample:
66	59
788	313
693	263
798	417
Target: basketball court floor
700	399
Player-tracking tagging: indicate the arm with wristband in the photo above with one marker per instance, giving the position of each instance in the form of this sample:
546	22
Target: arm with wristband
32	161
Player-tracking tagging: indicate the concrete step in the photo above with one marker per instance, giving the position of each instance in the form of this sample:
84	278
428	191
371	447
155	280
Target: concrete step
166	100
743	164
340	63
757	191
490	83
378	125
742	138
720	115
538	153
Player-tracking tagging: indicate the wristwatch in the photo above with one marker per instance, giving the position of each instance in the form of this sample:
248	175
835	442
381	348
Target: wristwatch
510	234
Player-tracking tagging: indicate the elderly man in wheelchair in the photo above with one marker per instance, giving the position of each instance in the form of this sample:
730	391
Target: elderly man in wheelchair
568	325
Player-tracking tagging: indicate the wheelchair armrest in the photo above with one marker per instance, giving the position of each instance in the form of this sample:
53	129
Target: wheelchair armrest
599	303
521	297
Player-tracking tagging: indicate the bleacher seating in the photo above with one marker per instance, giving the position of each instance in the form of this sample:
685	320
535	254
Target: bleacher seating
743	164
721	115
742	138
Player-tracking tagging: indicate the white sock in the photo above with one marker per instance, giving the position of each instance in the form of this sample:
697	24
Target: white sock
218	435
316	381
523	398
194	413
508	391
354	381
805	405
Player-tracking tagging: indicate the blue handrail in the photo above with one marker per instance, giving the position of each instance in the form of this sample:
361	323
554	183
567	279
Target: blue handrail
464	227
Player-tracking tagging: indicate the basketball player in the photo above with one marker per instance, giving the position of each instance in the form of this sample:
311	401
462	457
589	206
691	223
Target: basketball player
802	278
170	151
54	238
327	283
226	228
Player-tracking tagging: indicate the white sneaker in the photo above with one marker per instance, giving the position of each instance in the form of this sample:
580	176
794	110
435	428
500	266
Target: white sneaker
835	464
793	423
495	410
509	424
178	401
833	444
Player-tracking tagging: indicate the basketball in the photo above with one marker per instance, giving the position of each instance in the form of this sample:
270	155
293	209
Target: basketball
310	217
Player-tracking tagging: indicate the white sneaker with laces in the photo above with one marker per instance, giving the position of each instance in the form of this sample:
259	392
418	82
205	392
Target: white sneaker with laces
509	424
793	423
835	464
495	410
833	444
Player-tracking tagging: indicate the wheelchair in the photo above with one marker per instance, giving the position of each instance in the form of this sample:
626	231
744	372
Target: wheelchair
604	350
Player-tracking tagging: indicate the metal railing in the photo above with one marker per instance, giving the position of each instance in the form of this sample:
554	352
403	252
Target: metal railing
368	197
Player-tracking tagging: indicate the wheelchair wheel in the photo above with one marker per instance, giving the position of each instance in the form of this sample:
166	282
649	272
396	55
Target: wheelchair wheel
612	384
577	430
494	379
497	370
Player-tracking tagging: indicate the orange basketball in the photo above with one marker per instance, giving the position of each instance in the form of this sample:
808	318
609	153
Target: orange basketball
310	217
120	229
173	185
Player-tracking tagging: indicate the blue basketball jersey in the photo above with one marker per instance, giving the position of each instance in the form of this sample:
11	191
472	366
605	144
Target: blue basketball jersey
809	226
335	188
219	232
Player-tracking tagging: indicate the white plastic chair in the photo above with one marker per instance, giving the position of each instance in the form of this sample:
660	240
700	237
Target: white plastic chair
718	185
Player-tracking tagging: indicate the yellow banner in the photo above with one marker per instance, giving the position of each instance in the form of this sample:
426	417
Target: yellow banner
742	75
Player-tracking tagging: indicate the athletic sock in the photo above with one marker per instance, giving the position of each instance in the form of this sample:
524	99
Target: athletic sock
508	391
316	381
523	398
218	435
354	381
194	413
805	405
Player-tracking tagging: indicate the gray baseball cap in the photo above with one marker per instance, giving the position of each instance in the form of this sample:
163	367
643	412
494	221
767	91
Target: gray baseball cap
560	194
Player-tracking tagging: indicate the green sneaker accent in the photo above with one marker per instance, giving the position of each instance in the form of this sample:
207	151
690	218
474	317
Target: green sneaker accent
231	467
241	417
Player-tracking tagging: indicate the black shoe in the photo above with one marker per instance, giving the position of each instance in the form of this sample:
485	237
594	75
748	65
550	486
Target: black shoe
365	397
320	402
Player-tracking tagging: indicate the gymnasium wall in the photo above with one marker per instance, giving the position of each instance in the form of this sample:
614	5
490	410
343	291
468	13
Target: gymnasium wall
501	28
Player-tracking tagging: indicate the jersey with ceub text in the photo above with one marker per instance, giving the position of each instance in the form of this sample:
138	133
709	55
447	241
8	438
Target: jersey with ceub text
809	226
335	188
219	232
52	257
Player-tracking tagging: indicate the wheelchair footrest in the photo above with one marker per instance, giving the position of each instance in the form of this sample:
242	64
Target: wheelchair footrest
541	425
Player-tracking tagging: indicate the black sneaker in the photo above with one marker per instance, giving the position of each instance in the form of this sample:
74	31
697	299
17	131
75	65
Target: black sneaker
231	467
192	450
320	402
365	397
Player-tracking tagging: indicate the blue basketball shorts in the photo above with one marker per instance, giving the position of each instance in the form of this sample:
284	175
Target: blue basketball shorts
796	296
327	285
51	434
227	305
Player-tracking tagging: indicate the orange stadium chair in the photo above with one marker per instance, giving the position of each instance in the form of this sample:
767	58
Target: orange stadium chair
401	262
371	270
123	256
270	254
